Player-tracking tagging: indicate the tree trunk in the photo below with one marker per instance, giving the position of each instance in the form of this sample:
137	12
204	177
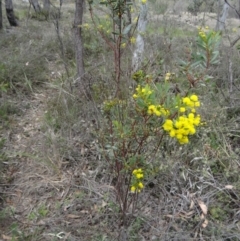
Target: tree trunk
46	8
222	17
36	5
1	25
46	5
78	40
141	28
10	13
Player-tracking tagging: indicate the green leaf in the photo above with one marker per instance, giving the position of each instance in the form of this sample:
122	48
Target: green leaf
115	33
214	59
127	29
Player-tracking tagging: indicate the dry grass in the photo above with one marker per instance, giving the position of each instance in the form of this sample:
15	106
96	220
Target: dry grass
56	183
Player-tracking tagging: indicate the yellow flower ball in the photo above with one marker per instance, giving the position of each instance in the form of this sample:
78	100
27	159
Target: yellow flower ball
139	176
123	45
168	125
182	109
194	98
133	188
133	40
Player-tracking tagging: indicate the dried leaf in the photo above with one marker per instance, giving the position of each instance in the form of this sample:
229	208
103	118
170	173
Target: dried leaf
95	207
203	206
103	204
186	214
229	187
191	204
205	223
5	237
190	213
73	216
84	211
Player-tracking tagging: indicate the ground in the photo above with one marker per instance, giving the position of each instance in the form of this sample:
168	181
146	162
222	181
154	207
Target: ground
58	190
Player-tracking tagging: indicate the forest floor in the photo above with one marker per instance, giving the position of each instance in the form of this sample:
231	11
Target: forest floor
56	192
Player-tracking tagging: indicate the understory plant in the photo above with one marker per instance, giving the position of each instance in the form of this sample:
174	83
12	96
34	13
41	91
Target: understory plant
138	124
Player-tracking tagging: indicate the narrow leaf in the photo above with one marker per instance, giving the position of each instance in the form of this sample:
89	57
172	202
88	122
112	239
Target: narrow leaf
127	29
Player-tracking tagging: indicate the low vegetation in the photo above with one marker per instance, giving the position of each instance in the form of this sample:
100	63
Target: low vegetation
148	155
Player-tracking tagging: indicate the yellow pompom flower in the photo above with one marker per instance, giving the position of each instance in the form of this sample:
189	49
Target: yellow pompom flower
167	76
172	133
123	45
151	109
194	98
197	104
139	175
133	188
168	125
137	184
186	101
133	40
182	109
140	185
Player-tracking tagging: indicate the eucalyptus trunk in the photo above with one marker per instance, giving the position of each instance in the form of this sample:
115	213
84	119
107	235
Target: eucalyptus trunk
222	17
46	7
36	5
79	4
10	13
1	24
141	28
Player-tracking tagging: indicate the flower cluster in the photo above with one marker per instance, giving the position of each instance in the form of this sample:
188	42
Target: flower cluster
168	76
123	45
142	92
202	32
184	125
133	40
108	105
105	25
86	26
206	34
179	122
137	184
190	102
157	110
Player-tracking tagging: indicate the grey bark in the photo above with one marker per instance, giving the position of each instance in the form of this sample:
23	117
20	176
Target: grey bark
79	5
46	5
36	5
46	8
222	17
138	52
1	25
10	13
